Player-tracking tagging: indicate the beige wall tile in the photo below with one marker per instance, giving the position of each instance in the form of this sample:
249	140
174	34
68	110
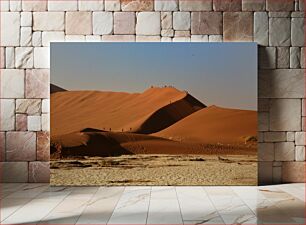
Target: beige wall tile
21	146
148	23
39	172
201	5
78	23
12	83
7	114
14	172
10	28
137	5
238	26
227	5
206	23
285	115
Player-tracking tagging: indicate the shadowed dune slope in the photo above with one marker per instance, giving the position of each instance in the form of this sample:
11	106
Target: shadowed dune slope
101	143
147	112
214	125
54	88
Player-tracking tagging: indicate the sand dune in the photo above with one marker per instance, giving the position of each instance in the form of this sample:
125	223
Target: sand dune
54	88
158	121
160	137
147	112
214	125
91	142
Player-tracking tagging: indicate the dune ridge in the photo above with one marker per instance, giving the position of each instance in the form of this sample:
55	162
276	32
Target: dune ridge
144	113
157	121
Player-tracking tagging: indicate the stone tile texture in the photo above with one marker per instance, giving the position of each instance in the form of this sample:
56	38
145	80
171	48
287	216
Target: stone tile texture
206	23
227	5
43	146
48	21
62	5
124	22
39	172
14	172
297	32
37	84
238	26
148	23
102	23
10	28
78	23
34	5
261	28
197	5
137	5
91	5
7	113
285	115
181	20
28	106
280	5
253	5
21	146
21	122
279	34
281	83
12	83
169	5
112	5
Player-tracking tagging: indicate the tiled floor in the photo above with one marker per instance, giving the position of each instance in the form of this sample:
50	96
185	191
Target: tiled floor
41	204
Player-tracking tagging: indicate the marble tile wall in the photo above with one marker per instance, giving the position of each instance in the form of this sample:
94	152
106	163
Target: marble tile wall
28	27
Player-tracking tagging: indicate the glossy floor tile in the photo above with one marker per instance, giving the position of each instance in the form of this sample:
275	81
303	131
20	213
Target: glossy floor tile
41	204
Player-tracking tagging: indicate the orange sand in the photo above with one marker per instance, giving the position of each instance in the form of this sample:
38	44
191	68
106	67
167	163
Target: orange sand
158	121
148	112
214	125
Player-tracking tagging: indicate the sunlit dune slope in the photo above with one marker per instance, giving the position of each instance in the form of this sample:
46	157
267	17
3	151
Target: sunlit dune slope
147	112
214	125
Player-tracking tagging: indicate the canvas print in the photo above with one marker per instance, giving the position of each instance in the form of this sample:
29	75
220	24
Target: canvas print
153	114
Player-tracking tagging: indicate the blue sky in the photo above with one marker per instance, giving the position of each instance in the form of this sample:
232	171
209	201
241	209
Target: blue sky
223	74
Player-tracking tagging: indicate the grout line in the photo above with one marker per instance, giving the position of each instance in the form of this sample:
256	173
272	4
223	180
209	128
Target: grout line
177	198
30	200
149	205
254	212
88	201
217	211
116	205
55	206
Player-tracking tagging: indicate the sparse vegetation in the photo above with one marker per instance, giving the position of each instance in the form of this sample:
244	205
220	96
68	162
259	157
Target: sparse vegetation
198	160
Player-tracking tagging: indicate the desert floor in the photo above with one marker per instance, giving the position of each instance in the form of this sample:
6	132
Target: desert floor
156	170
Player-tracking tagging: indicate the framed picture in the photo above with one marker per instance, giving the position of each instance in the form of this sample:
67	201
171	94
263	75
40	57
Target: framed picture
153	114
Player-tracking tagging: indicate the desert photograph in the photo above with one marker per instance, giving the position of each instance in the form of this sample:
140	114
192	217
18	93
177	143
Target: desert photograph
153	114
